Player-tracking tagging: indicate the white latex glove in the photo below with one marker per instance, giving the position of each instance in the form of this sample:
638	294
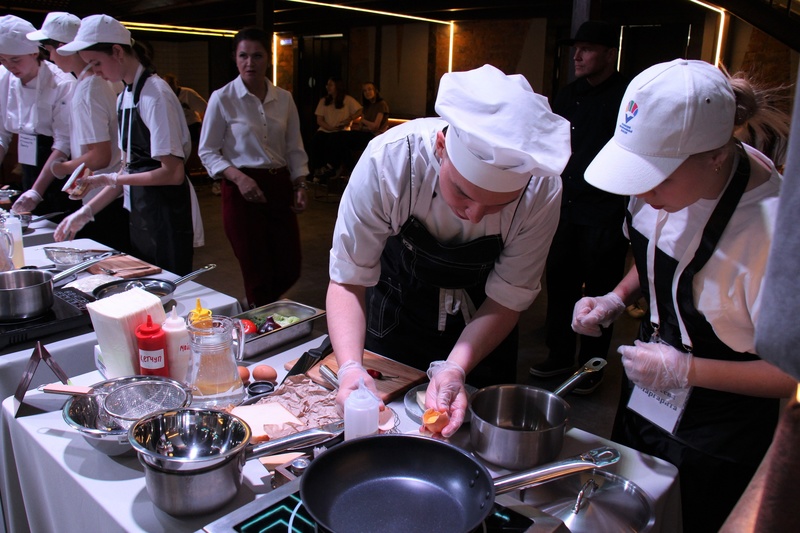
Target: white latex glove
446	392
53	164
655	365
349	374
27	202
86	183
72	224
591	312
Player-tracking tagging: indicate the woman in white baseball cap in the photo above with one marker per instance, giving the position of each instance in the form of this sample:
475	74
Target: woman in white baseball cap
155	142
93	138
700	221
37	110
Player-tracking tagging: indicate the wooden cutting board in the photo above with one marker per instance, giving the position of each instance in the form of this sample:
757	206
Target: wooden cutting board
128	267
388	389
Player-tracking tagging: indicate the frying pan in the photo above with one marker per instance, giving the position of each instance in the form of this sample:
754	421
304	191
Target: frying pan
415	483
160	287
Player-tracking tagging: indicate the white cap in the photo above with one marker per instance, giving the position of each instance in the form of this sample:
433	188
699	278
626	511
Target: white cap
14	37
58	26
501	132
669	112
97	29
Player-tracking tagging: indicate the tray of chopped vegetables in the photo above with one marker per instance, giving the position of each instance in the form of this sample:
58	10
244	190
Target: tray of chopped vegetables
276	324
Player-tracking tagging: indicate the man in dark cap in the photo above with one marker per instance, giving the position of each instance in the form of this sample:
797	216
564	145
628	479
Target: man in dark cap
587	256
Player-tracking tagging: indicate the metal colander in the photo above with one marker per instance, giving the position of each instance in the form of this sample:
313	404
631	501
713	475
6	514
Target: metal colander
142	398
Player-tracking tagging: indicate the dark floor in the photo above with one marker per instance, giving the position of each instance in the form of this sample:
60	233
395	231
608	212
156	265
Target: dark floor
593	413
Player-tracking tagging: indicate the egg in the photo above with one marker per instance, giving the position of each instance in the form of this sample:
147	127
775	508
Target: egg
244	374
265	373
435	421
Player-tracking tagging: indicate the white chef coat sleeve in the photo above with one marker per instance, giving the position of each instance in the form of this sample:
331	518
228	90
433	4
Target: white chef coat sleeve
515	281
61	116
162	113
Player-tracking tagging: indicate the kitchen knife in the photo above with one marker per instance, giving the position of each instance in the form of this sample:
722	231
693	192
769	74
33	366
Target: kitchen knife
310	358
303	439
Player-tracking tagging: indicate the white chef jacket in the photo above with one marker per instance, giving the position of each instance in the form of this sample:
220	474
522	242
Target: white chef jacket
243	132
4	76
192	103
376	203
94	119
727	290
45	100
334	116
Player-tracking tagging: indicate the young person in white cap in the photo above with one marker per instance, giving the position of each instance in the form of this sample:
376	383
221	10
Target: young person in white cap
93	137
37	110
700	220
155	142
442	235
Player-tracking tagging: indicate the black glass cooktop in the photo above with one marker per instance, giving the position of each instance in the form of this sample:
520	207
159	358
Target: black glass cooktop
68	313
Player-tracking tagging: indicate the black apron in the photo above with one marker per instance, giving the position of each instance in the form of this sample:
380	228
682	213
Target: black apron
54	200
403	308
722	436
161	216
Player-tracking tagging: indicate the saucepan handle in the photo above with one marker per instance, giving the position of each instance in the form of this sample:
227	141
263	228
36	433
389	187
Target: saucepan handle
592	365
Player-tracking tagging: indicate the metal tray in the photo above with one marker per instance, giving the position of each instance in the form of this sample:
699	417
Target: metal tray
258	344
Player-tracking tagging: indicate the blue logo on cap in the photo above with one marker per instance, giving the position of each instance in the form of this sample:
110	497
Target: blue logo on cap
630	112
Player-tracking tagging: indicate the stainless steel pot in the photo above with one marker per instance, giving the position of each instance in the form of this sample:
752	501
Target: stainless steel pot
519	426
29	293
160	287
193	457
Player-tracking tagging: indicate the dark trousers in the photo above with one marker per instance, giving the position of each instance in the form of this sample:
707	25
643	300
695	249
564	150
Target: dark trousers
583	261
327	148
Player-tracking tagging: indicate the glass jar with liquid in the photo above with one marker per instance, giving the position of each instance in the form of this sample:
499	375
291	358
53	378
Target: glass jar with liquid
216	344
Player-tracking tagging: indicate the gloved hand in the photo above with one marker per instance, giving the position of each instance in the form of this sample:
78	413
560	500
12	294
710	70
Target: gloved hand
27	202
55	168
349	374
72	224
655	365
591	312
447	393
86	183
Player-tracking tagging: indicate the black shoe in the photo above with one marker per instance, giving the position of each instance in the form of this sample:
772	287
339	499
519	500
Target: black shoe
548	369
589	384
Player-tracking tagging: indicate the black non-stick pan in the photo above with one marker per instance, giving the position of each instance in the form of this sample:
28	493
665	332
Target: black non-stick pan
409	483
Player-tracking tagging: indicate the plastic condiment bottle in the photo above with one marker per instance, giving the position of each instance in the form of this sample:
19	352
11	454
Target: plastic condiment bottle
179	351
14	227
151	341
199	315
360	413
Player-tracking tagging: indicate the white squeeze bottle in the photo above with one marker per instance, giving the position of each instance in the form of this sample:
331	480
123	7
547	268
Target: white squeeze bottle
179	352
14	227
360	413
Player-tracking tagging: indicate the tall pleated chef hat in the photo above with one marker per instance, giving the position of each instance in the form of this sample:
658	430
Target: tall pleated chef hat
501	132
96	29
58	26
670	111
14	37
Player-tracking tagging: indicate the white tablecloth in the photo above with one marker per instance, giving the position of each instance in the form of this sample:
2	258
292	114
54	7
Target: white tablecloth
55	481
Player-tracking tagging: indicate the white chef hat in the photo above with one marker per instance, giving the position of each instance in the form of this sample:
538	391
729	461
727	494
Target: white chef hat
501	132
14	37
58	26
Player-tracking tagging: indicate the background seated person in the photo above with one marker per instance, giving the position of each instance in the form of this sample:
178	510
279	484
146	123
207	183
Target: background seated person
335	112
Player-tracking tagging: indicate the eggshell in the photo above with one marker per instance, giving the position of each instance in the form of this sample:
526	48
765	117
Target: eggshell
265	373
244	374
435	421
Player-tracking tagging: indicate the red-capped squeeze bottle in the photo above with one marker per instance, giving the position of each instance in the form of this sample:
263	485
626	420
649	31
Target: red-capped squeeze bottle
152	345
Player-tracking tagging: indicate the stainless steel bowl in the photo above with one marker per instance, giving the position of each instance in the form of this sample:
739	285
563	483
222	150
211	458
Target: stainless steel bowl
101	431
63	256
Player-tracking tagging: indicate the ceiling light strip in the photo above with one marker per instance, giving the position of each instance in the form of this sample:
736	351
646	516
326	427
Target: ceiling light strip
720	29
374	11
185	30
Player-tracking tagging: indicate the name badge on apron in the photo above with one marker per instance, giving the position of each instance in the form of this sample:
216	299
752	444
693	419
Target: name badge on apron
26	149
662	408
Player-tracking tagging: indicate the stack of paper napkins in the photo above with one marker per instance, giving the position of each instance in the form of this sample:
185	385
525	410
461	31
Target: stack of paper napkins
115	320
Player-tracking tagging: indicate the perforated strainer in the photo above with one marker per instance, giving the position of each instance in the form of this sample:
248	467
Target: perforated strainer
142	398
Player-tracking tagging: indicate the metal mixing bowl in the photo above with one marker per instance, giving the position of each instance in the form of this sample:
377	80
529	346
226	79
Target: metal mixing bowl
63	256
102	431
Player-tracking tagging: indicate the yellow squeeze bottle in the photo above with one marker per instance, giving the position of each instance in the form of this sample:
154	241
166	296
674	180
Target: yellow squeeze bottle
200	317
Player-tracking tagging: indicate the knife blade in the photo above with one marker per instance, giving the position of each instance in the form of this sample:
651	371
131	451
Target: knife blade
309	359
303	439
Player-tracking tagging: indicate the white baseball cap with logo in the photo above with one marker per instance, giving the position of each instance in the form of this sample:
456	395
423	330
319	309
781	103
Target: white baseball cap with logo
669	112
58	26
97	29
501	132
14	37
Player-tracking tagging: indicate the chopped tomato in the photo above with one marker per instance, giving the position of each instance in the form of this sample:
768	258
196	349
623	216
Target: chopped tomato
249	326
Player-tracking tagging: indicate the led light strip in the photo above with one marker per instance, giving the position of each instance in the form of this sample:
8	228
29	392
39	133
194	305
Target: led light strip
720	40
185	30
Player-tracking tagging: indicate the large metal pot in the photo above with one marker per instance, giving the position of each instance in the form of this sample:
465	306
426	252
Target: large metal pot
160	287
415	483
193	457
29	293
519	426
